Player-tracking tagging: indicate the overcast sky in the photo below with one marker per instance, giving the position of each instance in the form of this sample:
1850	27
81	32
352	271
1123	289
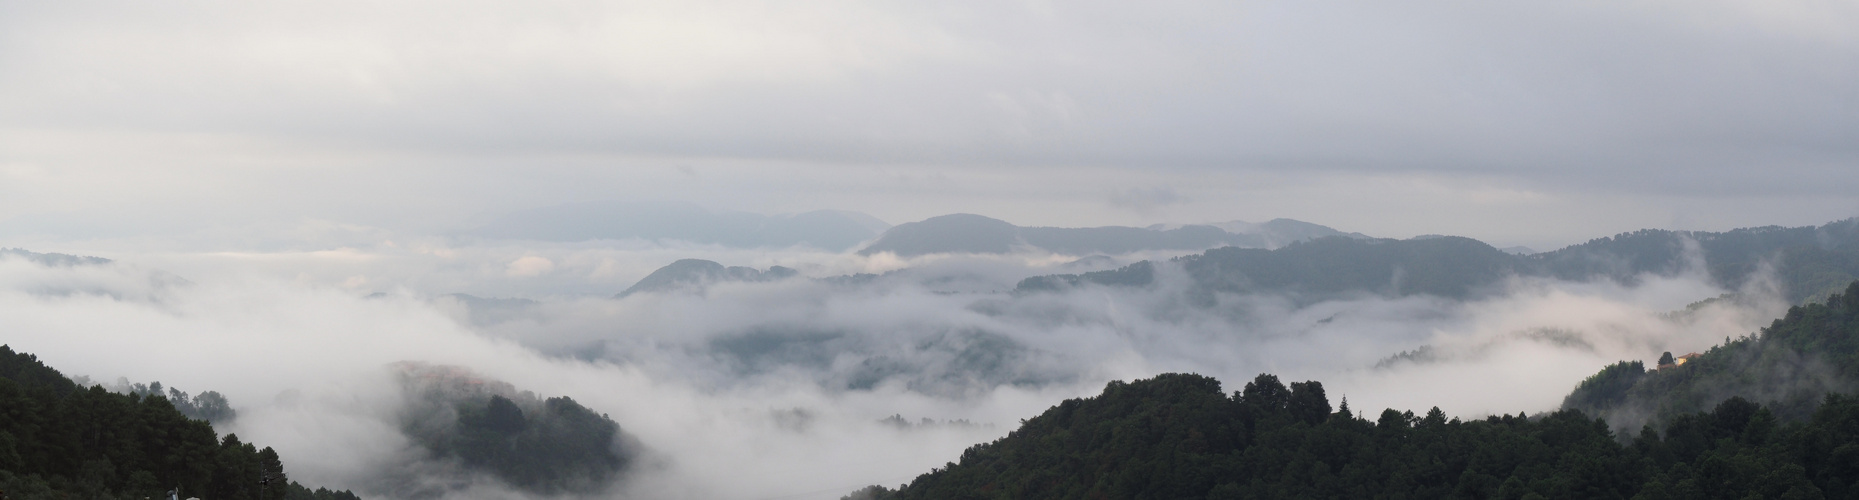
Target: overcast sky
1536	123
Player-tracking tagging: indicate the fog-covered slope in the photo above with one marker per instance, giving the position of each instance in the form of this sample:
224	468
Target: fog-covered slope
1811	262
549	445
61	440
928	337
1180	436
1790	365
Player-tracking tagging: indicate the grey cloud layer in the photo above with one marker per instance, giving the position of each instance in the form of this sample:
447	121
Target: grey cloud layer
1676	87
190	120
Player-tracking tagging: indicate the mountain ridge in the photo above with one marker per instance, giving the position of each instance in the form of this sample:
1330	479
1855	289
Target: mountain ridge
1811	262
694	275
977	234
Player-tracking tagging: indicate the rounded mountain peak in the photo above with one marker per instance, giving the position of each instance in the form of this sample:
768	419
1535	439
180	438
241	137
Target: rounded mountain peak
953	233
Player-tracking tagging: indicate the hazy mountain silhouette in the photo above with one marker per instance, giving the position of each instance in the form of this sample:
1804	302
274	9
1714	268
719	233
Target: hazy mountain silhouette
53	259
693	275
969	233
1281	232
1810	262
1448	266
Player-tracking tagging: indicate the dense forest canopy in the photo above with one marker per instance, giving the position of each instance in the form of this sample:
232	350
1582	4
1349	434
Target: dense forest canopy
1789	366
210	406
61	440
1179	436
1706	433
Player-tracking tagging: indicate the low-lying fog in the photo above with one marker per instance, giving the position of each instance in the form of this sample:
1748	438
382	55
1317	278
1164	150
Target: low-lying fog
778	389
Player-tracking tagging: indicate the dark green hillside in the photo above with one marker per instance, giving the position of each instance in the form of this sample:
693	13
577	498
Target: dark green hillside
58	440
1790	365
549	446
1179	436
557	447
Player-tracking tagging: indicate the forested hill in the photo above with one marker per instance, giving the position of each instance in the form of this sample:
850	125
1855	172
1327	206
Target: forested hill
1810	262
549	446
693	275
59	440
1179	436
1791	365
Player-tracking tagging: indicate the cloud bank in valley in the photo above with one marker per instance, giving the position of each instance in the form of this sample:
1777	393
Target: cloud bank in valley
299	196
751	390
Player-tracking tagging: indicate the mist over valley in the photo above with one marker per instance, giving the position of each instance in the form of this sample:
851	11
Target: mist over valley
719	249
787	378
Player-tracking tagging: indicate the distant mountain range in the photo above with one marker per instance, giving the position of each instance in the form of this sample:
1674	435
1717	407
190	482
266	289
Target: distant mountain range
841	230
969	233
975	234
825	229
1810	262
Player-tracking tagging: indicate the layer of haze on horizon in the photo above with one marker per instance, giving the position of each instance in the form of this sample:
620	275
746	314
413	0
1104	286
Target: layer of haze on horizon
192	125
